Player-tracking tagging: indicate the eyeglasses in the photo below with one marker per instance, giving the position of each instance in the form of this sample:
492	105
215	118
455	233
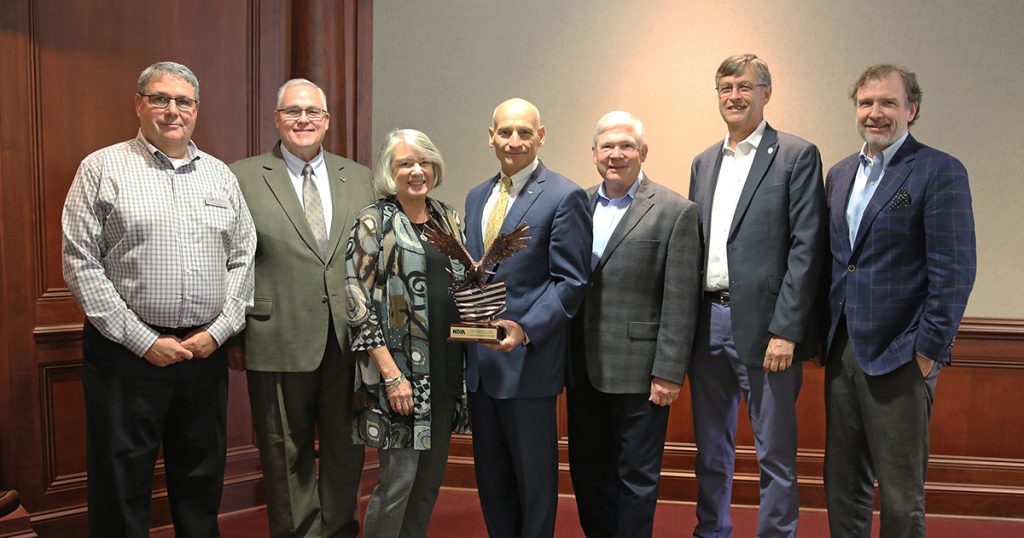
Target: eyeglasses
157	100
293	113
745	88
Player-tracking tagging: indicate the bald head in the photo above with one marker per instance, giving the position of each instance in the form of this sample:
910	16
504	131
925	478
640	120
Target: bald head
517	106
516	134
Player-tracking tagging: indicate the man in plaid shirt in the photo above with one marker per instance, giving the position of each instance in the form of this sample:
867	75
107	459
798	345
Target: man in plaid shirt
158	251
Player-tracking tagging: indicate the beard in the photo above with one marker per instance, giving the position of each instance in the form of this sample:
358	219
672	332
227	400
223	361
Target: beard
885	140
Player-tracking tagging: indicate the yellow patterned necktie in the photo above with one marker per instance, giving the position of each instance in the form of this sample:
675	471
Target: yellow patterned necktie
497	215
314	209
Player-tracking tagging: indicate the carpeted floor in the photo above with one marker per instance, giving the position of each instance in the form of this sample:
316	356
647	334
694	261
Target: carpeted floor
458	515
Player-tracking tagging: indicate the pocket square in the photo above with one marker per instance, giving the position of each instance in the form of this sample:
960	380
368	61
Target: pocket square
901	200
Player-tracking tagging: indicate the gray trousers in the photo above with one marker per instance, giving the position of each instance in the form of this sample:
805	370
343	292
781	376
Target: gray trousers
290	410
410	480
876	427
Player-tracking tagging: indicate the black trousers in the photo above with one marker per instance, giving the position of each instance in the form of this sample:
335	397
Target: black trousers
131	407
616	443
876	427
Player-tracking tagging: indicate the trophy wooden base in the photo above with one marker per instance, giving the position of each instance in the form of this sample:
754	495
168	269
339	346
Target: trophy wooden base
478	333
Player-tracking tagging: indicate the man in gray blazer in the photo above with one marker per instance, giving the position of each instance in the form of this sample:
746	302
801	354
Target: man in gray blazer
300	368
633	337
764	225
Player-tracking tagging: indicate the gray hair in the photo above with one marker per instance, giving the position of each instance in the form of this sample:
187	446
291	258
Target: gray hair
882	71
162	69
384	178
299	82
737	64
616	118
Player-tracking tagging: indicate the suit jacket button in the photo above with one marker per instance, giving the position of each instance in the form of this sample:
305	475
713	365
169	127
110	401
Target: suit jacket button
851	268
324	300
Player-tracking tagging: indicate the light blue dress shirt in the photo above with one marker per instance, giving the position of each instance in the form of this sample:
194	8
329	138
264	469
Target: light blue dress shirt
607	214
863	190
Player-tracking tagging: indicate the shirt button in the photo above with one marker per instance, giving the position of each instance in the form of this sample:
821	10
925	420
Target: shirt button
851	268
324	299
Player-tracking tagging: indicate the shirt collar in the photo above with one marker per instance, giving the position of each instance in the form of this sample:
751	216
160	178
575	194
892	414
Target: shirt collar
887	153
630	194
191	150
296	164
753	140
520	178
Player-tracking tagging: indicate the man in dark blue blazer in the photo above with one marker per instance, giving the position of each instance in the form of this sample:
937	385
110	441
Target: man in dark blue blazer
513	385
763	212
903	265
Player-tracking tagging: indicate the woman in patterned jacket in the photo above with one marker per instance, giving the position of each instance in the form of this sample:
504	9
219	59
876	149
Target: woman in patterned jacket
412	392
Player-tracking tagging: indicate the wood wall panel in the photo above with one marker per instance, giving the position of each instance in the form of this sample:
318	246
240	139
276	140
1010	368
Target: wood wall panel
64	417
77	43
977	461
67	77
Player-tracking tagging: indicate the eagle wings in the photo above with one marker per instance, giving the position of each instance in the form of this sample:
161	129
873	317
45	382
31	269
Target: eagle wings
504	245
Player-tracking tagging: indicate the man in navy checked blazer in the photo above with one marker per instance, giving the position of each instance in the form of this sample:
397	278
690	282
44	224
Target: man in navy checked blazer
903	265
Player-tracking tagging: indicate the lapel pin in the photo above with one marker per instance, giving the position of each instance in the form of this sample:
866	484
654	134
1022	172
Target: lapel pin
771	150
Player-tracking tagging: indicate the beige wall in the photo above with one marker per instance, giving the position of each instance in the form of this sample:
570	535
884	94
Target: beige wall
442	66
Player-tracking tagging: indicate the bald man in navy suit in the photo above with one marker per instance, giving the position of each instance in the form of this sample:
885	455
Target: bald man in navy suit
513	385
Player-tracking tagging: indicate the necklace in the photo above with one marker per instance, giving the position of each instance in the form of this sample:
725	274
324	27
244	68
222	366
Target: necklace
419	229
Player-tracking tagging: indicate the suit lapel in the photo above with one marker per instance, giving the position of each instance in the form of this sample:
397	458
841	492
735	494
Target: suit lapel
763	158
640	206
844	177
895	176
708	197
339	207
526	197
276	175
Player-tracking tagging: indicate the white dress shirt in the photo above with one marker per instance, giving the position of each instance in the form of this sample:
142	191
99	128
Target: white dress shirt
519	180
732	176
320	179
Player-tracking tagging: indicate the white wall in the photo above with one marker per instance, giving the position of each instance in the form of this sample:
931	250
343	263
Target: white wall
442	66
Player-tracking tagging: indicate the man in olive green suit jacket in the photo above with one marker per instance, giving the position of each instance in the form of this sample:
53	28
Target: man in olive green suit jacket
300	367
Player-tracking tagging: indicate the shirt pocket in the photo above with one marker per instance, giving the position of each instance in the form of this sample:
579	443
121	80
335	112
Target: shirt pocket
218	213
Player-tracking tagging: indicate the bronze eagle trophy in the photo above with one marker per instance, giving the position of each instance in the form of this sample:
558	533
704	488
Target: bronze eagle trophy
477	300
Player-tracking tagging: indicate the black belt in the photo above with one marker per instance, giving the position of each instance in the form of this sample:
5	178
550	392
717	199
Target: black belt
180	332
720	296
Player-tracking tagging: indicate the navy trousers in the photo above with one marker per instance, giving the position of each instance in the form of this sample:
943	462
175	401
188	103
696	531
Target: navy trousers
515	454
717	379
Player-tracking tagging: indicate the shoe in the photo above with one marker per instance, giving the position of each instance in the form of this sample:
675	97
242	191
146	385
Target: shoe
8	501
